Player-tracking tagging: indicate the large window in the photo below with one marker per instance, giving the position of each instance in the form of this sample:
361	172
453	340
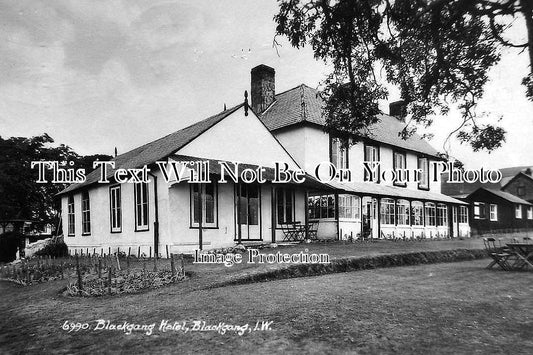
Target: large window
204	205
480	210
530	213
399	165
430	213
321	206
518	211
85	213
463	214
423	166
493	212
442	215
371	156
339	153
387	211
417	215
402	212
349	206
70	216
141	206
116	209
285	204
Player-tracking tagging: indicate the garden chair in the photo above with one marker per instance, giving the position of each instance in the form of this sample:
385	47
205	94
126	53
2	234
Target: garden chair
499	255
290	234
312	230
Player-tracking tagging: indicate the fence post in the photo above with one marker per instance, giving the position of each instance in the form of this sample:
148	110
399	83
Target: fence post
78	271
99	268
182	266
172	269
118	262
109	280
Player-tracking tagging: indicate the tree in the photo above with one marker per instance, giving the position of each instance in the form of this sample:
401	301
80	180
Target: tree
22	197
438	53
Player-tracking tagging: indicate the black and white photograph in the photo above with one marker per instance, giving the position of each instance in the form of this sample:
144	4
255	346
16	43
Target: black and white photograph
266	176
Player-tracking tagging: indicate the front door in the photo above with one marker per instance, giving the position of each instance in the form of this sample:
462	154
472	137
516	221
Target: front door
248	211
370	217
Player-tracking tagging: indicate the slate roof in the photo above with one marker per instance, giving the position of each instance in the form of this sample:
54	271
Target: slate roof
452	189
505	195
303	104
156	150
374	189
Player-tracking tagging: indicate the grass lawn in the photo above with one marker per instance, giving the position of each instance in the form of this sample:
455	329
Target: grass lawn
440	308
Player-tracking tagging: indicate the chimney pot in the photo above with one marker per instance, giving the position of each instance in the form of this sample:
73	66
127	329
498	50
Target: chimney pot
263	87
398	109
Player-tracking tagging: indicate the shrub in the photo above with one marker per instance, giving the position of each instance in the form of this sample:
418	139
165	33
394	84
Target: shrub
57	248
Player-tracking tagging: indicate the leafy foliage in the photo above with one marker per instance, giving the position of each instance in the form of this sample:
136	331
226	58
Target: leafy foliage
22	197
438	53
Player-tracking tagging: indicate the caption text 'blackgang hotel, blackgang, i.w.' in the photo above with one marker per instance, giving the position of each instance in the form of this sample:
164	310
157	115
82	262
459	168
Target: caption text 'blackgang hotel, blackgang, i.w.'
284	127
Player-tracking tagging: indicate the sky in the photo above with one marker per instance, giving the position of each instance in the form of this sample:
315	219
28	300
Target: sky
96	75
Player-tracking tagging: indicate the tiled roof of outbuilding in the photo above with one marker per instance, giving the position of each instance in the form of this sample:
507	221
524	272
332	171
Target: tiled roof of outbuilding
303	104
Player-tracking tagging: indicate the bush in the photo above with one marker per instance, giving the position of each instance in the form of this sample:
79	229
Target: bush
9	243
56	249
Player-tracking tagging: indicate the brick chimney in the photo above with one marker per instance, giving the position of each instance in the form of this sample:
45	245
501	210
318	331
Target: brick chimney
398	109
263	87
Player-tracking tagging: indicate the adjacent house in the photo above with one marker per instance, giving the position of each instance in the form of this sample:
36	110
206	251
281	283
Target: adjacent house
497	211
285	127
521	185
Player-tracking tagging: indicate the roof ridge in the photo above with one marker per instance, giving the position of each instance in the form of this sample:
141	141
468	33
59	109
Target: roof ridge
227	111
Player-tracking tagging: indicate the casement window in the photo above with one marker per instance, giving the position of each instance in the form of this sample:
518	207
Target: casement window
349	206
387	211
402	212
463	214
141	206
371	156
204	205
417	215
285	205
116	208
518	211
442	215
399	165
423	178
429	208
322	206
493	212
530	212
85	213
480	210
70	216
520	190
339	152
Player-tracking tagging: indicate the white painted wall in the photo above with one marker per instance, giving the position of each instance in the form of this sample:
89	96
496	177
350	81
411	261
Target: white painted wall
101	238
239	138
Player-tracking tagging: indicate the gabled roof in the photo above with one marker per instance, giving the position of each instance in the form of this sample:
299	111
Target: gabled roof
508	174
303	104
520	174
156	150
505	195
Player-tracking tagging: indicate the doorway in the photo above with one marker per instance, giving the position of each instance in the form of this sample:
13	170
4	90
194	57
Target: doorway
248	201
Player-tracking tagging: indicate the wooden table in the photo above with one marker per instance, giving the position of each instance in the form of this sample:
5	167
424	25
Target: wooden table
524	254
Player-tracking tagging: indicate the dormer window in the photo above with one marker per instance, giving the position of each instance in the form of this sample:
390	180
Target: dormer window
339	153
